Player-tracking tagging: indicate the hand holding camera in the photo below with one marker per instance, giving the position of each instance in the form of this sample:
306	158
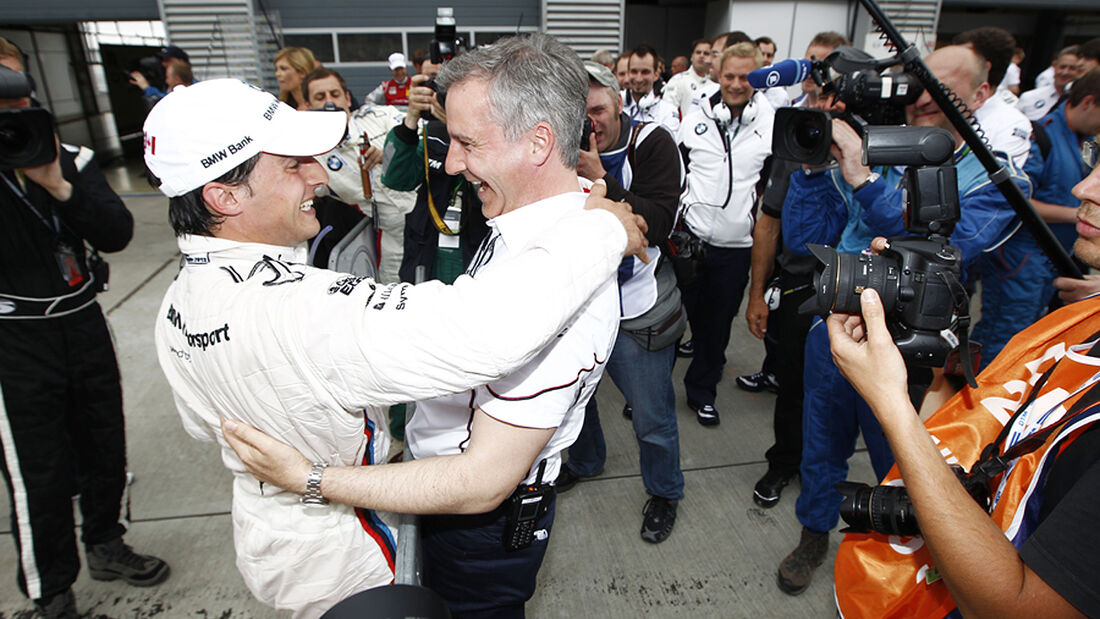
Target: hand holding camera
423	101
49	177
588	164
847	150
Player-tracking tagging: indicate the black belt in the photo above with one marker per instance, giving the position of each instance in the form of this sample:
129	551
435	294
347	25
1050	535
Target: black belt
14	307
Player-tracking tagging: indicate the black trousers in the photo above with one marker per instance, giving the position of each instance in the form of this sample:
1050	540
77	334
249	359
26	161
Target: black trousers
790	329
62	432
466	564
712	299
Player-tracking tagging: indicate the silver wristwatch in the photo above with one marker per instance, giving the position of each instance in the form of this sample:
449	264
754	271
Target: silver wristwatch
312	497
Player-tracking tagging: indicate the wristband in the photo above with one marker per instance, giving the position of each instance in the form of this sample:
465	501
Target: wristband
312	497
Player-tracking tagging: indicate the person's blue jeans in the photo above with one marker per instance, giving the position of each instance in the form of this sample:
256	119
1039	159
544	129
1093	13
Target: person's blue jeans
833	415
645	379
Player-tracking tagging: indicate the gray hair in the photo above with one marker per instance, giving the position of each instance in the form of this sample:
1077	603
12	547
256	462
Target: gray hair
531	79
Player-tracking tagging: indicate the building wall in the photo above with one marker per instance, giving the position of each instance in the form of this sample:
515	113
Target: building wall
791	23
57	11
404	26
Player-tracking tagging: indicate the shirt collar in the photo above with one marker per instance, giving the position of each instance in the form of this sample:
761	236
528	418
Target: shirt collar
519	228
199	250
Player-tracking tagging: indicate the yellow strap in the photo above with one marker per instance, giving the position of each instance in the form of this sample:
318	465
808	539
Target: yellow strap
439	223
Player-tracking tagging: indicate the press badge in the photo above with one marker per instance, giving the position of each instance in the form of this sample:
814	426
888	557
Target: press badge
69	265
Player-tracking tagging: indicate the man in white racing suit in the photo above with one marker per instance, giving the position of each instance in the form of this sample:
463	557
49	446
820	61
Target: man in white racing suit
311	355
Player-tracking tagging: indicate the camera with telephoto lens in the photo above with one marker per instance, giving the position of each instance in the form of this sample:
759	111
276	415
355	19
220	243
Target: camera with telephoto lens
444	46
871	97
889	510
26	134
916	277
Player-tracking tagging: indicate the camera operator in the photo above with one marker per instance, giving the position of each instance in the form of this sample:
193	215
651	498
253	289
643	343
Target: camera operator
444	229
1036	554
62	425
640	165
833	415
789	208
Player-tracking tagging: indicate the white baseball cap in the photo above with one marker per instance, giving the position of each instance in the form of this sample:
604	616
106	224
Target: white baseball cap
397	61
199	133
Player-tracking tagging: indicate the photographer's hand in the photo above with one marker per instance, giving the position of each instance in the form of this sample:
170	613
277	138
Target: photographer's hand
137	79
420	98
635	225
49	177
847	148
1071	289
865	353
588	164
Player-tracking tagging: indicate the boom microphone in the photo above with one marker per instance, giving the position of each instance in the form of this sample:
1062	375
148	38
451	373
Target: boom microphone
783	73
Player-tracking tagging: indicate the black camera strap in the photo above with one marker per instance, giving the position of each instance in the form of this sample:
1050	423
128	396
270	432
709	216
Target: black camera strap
993	463
95	264
962	307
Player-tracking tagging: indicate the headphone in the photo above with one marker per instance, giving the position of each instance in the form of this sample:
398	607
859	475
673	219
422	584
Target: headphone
722	115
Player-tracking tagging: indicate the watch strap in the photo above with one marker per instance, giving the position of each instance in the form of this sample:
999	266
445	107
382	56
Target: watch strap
313	496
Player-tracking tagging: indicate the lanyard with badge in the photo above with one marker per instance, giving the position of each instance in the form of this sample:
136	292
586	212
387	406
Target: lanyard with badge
68	264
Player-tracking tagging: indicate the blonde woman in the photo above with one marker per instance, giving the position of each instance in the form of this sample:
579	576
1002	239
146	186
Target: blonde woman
291	65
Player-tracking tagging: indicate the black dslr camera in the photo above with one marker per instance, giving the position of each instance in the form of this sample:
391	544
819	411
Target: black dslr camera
889	510
445	45
26	134
871	97
917	277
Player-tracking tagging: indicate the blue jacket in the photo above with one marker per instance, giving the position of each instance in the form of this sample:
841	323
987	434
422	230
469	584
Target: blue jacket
1055	175
986	219
816	210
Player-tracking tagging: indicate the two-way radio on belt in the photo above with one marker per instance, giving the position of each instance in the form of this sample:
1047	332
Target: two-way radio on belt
998	173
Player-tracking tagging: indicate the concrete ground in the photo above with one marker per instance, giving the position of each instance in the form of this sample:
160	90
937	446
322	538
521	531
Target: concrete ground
719	562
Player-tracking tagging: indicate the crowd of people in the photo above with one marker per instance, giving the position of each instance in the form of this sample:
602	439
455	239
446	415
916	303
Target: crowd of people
553	220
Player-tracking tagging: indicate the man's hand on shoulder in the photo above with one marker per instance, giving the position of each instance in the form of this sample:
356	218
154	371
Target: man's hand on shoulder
634	225
268	460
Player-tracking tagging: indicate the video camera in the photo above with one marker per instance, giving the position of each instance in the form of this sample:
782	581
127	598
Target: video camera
871	97
917	277
26	134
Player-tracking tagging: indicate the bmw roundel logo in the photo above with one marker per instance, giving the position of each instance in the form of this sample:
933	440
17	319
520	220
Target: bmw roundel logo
334	163
700	129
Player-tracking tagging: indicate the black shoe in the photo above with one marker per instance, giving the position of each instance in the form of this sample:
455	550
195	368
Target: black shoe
758	382
115	559
659	515
566	479
770	487
705	413
628	412
686	349
58	606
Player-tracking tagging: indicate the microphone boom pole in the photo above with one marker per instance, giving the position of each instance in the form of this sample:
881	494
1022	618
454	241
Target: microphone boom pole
997	172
